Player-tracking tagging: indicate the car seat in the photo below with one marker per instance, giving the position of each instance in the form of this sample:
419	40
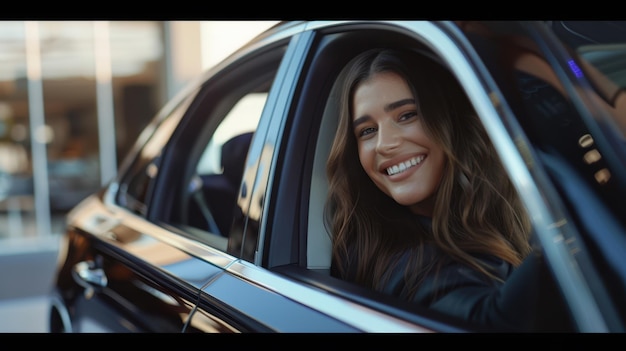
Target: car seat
221	190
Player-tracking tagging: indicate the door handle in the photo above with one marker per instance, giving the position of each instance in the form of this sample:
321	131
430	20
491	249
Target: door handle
87	275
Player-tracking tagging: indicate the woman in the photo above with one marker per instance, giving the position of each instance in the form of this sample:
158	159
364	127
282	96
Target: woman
419	204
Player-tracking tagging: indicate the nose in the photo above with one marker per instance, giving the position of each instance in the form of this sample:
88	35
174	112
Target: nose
388	139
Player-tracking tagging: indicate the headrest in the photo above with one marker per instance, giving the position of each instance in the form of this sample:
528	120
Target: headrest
234	153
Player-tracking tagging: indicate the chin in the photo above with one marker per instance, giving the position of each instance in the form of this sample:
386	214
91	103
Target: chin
405	201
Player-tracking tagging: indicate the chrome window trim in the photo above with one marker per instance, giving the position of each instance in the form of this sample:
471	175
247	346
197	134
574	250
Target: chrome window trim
193	247
112	215
362	317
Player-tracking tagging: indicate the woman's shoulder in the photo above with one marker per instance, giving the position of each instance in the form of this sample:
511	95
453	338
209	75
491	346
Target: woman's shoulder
497	266
449	276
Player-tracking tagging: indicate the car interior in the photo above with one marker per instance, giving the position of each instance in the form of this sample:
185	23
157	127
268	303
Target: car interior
221	189
579	165
214	142
214	186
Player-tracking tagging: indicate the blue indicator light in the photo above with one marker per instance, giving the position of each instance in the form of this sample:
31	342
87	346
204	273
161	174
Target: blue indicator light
574	67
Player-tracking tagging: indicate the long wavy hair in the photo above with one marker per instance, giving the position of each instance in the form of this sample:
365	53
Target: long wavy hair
477	210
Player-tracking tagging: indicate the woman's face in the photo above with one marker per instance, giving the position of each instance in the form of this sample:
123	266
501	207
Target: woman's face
394	149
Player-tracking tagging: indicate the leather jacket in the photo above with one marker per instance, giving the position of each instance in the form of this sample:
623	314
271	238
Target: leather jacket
525	299
460	291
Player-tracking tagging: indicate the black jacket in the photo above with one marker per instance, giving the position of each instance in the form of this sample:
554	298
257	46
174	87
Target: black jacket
463	292
525	300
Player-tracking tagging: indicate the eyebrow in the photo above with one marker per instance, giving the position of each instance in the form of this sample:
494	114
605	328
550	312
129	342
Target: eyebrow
394	105
390	107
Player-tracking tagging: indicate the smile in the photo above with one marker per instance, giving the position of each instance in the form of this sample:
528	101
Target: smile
403	166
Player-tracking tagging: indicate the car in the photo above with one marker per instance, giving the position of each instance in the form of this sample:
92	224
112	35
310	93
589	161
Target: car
214	222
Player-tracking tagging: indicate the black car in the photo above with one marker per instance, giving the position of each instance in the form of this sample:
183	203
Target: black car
215	221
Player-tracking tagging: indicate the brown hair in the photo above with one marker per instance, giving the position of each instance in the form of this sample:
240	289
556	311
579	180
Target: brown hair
477	210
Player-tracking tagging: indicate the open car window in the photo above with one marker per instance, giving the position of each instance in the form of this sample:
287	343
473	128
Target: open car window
332	57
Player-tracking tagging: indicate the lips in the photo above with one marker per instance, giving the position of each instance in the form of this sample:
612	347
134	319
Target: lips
403	166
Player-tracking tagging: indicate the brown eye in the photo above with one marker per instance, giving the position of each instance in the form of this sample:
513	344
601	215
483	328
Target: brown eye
407	116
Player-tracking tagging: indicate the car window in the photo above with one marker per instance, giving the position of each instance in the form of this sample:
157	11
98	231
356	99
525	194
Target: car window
220	168
327	73
140	171
242	119
203	163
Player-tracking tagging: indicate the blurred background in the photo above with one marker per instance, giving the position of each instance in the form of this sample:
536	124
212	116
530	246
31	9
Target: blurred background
74	96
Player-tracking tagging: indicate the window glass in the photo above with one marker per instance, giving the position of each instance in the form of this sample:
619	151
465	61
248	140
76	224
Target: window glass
141	171
206	156
243	118
220	168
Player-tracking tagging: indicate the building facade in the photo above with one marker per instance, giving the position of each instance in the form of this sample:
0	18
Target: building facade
74	96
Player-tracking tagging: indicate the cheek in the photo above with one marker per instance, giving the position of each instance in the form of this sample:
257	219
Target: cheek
417	133
366	156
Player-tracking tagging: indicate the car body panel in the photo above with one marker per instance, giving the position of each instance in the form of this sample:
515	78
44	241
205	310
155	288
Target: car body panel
157	256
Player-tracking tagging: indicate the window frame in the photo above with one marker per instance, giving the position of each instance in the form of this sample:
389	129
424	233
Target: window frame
142	163
286	247
218	92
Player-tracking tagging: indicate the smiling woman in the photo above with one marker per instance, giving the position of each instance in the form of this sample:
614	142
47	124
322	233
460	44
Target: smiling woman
394	148
430	217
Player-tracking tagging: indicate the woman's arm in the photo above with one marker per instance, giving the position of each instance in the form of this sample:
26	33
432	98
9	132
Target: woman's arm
465	293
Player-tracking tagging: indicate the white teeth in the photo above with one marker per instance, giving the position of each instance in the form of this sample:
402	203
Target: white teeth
401	167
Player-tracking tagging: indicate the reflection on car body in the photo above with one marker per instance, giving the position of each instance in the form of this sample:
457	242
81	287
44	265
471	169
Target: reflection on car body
550	95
